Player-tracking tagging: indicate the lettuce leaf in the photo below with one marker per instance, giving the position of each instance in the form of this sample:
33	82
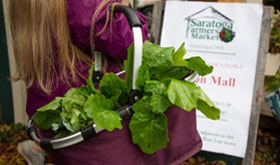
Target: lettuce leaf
99	108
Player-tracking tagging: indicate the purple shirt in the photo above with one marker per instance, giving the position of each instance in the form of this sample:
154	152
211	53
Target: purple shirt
114	147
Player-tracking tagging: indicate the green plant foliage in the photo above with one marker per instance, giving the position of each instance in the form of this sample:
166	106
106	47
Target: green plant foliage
274	45
163	88
272	82
160	78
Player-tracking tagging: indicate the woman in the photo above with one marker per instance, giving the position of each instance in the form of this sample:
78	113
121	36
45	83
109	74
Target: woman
54	41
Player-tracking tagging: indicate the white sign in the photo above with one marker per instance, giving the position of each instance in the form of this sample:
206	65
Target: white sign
226	36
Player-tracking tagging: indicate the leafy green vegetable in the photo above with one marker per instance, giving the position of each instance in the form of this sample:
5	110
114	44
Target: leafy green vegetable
180	91
161	81
199	65
159	101
178	57
156	58
100	110
128	66
54	105
176	72
90	84
148	129
143	76
45	119
114	87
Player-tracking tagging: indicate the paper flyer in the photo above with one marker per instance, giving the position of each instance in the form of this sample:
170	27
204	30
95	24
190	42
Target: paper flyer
226	36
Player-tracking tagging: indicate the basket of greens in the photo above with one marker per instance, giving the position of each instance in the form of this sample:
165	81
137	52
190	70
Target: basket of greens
161	80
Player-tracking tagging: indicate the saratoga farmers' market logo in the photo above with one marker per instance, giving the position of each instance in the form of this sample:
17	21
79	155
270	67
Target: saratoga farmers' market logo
210	24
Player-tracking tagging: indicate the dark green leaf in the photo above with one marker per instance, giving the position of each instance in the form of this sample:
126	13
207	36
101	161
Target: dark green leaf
114	87
45	119
175	72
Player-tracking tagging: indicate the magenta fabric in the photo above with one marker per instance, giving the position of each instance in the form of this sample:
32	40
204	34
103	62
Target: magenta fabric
116	147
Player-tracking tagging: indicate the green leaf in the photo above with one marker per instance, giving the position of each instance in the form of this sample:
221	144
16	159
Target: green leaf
188	96
73	96
72	110
100	110
114	87
68	126
159	100
157	59
198	64
45	119
85	90
178	56
143	76
53	105
148	129
89	80
174	72
62	133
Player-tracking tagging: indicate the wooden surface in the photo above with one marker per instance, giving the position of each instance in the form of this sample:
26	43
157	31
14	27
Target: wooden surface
258	87
259	79
156	26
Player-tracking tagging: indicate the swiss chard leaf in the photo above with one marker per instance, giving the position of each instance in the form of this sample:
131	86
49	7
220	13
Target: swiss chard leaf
53	105
174	72
159	100
89	80
198	64
148	129
187	95
157	59
178	56
100	110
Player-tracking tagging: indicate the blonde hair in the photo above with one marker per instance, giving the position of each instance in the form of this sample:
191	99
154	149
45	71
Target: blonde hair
39	29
